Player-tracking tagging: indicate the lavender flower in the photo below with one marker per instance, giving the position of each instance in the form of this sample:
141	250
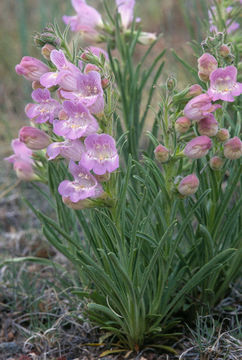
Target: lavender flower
223	85
126	11
66	74
89	92
198	147
101	154
87	18
199	107
69	149
46	110
79	123
22	161
84	185
32	69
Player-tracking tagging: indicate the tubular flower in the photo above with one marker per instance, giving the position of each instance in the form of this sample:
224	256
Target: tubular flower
126	11
84	185
198	147
22	161
199	107
101	154
68	149
223	85
47	108
32	69
208	126
79	123
89	92
87	18
188	185
66	74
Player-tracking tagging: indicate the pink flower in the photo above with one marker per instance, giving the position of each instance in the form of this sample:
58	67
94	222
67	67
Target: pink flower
22	161
46	110
32	69
208	126
198	147
21	152
206	65
34	138
223	85
162	154
89	92
68	149
188	185
87	18
79	123
199	107
101	154
66	74
233	148
126	11
182	124
84	185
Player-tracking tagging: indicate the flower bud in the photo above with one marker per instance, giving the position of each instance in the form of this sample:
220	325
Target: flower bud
147	38
91	67
206	65
208	126
233	148
105	83
216	163
188	185
198	147
182	125
224	50
34	138
47	37
32	69
223	135
46	50
171	83
195	90
162	154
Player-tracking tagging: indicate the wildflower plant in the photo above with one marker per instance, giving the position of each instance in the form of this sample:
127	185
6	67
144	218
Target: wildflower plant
152	232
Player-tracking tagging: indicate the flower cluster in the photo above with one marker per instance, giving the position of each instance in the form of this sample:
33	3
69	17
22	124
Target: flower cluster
68	104
199	115
231	25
